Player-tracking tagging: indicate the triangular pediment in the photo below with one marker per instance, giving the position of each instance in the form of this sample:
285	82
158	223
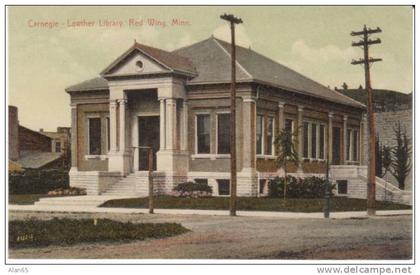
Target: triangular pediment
134	62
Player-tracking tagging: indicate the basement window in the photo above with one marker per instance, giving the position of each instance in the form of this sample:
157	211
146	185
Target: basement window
342	187
224	187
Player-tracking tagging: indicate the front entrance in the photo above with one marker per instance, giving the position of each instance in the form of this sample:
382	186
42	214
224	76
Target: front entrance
336	145
148	136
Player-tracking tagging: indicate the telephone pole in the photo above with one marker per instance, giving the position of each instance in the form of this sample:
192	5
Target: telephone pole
232	20
366	61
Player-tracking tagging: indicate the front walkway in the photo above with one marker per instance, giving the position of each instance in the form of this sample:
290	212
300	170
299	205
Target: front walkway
89	204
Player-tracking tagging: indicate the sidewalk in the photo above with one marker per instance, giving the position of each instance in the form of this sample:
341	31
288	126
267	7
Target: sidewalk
270	214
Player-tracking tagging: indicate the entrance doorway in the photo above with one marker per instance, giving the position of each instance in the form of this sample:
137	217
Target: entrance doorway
336	145
148	136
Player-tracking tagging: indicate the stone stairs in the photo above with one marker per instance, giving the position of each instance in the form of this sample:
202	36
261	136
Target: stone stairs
386	191
134	184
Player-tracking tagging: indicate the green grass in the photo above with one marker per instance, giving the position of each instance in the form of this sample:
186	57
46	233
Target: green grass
26	198
62	232
253	204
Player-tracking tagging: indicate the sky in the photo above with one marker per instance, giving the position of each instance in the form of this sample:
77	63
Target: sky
47	52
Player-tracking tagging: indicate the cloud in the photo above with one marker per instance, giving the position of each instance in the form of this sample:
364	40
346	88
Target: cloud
325	54
241	37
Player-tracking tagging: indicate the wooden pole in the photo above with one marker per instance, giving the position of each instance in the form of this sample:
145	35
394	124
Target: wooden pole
233	186
365	42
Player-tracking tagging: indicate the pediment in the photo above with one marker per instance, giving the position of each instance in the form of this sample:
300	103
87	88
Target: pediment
134	62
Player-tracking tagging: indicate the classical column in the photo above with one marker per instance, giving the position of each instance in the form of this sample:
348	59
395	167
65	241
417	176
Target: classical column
171	123
123	139
113	105
300	138
330	136
363	141
345	141
281	117
74	151
184	139
248	114
162	124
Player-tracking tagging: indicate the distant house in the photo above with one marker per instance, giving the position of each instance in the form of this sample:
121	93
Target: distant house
30	149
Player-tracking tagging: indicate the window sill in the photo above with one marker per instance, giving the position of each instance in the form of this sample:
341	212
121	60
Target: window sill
266	157
96	157
314	160
210	156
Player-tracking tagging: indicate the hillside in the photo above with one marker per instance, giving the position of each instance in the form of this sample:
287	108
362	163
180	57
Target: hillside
385	100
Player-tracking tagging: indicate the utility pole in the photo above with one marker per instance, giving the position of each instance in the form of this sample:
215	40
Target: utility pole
232	20
366	61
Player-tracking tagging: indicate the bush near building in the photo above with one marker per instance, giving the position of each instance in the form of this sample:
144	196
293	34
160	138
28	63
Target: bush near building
303	188
192	190
31	181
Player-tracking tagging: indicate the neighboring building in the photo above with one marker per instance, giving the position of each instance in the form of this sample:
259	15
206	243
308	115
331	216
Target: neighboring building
60	143
29	149
178	103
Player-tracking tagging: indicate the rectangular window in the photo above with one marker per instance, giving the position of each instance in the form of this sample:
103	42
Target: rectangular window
288	125
313	140
223	133
321	141
270	133
57	146
224	187
305	139
94	136
203	134
348	145
259	137
342	186
355	157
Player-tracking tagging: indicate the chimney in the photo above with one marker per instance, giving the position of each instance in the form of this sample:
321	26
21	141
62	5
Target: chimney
41	130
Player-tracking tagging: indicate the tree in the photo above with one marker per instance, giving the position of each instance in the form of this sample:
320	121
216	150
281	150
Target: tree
401	155
345	86
284	143
386	159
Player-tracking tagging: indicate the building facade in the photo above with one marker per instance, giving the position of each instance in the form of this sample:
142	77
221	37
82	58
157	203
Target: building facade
178	103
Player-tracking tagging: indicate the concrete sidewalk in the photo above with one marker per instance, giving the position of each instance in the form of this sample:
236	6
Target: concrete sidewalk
272	214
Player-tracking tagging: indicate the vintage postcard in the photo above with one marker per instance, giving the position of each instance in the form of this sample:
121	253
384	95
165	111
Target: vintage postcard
210	134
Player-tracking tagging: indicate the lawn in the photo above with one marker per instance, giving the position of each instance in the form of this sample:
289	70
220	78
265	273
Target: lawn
36	233
253	204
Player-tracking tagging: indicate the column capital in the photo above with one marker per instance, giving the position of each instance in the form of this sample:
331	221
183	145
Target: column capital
281	104
345	117
122	101
330	114
249	99
113	103
300	108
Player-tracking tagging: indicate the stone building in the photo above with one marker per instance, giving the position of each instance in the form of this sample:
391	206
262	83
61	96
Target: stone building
178	103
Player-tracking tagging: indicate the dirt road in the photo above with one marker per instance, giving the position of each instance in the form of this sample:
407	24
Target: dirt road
224	237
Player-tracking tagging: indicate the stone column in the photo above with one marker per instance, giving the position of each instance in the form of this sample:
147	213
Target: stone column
184	146
74	151
162	124
345	141
300	137
248	114
363	154
171	123
330	136
281	117
113	105
123	132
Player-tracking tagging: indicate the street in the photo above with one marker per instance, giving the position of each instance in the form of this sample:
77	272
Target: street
224	237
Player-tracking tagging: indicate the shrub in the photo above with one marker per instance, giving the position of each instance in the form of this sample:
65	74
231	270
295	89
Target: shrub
307	188
35	233
192	190
72	191
37	181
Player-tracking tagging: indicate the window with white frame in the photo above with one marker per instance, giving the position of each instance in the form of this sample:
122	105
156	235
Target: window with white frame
313	140
270	135
259	133
94	136
352	145
203	133
223	133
